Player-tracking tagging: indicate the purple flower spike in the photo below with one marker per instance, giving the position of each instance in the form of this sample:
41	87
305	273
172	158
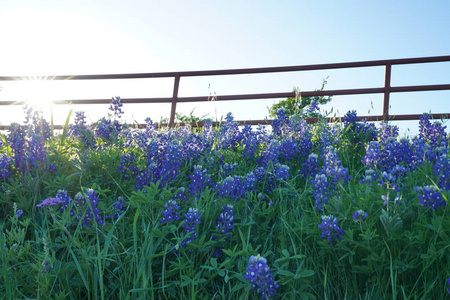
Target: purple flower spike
171	212
258	273
360	215
49	202
226	220
192	219
430	196
330	229
448	282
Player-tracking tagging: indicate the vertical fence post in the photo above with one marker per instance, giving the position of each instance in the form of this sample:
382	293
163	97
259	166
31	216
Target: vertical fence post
176	85
387	91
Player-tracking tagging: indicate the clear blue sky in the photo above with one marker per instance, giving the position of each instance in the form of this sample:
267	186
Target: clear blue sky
96	37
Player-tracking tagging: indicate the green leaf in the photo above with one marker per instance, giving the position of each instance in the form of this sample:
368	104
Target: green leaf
213	262
286	273
305	273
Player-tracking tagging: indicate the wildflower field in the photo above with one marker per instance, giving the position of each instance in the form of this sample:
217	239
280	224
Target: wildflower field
288	211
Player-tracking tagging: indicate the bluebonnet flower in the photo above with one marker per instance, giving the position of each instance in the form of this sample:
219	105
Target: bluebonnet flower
358	133
304	146
373	155
208	132
360	215
281	172
229	135
5	166
51	167
66	201
107	129
192	219
144	178
369	176
250	142
434	133
193	145
321	191
171	212
199	181
333	167
17	142
227	169
385	156
35	122
280	123
81	131
350	118
116	107
325	182
171	162
430	196
226	220
249	182
266	180
330	229
118	207
386	131
271	154
49	202
313	106
442	171
36	155
127	166
448	282
218	252
288	149
259	276
310	167
180	194
231	186
89	207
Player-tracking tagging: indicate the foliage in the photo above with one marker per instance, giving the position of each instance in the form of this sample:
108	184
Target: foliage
303	107
302	211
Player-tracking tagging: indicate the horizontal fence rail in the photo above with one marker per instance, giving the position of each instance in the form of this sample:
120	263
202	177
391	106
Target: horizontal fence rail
387	89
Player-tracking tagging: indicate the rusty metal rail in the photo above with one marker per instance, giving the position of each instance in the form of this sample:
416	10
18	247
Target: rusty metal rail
387	89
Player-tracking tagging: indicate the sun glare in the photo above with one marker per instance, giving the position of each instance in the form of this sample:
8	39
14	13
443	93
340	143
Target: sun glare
36	93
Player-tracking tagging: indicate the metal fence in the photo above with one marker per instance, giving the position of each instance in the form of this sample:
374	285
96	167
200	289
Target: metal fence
387	89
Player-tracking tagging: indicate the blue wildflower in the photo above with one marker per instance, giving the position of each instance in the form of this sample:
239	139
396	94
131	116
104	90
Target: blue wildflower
321	191
171	212
118	207
116	107
313	106
199	181
448	282
5	166
259	276
330	229
442	171
89	206
49	202
226	220
192	219
310	167
430	196
360	215
280	123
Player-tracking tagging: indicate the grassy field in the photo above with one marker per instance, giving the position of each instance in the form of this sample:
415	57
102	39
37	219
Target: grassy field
291	211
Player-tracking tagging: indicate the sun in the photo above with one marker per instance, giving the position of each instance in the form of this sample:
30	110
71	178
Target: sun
36	92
